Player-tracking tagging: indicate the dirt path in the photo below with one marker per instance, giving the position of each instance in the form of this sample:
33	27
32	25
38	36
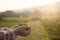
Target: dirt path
37	32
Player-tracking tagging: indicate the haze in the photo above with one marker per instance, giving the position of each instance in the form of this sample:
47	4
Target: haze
20	4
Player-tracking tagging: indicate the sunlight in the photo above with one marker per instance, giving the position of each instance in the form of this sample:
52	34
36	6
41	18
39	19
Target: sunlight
20	4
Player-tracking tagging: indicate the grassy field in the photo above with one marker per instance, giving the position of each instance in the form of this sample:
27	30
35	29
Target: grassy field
37	29
9	21
40	29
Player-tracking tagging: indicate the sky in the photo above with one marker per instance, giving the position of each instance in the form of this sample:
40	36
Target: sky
20	4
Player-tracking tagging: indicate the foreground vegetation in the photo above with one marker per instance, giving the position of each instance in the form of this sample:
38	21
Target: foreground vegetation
37	31
47	29
42	28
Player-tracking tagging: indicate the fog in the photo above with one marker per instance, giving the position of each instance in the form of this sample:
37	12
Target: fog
21	4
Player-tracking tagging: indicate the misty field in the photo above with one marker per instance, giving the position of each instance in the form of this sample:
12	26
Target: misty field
43	27
40	30
37	31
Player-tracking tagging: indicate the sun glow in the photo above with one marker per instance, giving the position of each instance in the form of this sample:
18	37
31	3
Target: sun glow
20	4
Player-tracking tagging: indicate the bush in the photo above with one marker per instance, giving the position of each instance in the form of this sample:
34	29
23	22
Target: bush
52	26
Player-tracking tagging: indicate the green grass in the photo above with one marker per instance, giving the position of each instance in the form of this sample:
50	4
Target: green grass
12	18
8	24
11	21
37	30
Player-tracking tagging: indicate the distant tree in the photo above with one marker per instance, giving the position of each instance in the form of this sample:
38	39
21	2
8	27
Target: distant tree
26	14
37	14
9	13
0	17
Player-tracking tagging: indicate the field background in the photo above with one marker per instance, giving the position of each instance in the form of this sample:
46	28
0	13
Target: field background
44	21
41	29
37	32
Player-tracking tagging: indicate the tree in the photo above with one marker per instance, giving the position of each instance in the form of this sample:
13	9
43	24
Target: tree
9	13
26	14
37	14
0	17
